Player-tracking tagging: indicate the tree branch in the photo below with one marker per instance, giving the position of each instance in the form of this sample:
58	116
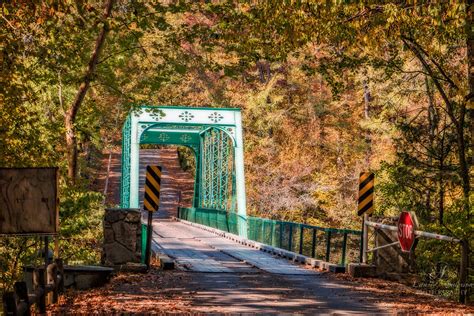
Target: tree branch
99	43
438	66
438	85
122	51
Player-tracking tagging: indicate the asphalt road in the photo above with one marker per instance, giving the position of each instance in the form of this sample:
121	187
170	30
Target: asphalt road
228	277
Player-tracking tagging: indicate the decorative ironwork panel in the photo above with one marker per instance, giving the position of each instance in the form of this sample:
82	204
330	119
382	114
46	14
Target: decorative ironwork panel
216	183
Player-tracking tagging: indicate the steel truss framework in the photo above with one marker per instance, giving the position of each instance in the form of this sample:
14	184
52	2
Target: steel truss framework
215	136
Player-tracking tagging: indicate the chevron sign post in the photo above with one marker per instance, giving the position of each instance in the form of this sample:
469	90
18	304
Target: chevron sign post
151	203
365	207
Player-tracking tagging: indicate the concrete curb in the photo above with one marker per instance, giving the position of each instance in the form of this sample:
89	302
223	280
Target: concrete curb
292	256
166	263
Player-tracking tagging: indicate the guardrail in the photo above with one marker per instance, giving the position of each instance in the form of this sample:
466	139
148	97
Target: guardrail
330	244
19	301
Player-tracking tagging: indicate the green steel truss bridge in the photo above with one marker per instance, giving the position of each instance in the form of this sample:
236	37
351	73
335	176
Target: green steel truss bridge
215	136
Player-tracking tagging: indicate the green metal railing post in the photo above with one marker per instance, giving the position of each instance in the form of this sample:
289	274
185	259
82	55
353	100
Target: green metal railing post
272	233
290	239
144	237
301	239
328	244
344	245
313	244
281	235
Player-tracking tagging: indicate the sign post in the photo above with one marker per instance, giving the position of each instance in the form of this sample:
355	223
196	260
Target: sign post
406	231
151	202
365	207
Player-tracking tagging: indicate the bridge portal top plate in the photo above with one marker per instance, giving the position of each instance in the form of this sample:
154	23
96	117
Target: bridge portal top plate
186	115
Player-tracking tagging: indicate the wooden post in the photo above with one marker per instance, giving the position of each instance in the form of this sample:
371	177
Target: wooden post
41	300
39	280
23	301
149	232
52	279
59	264
9	303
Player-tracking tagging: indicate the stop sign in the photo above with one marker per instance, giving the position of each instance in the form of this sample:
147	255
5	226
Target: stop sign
406	231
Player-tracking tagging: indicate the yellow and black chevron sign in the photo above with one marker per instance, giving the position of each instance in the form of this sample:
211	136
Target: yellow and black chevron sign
152	188
366	193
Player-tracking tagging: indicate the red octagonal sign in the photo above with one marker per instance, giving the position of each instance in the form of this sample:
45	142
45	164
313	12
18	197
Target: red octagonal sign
406	231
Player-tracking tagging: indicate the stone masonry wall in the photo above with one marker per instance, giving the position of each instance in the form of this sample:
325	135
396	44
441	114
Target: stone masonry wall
122	237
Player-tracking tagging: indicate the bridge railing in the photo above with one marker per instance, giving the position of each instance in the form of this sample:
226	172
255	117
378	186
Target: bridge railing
329	244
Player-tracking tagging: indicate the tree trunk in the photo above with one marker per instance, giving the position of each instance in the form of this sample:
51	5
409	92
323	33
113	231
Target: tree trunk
470	98
432	124
368	138
261	73
264	71
366	100
463	164
70	116
441	192
470	69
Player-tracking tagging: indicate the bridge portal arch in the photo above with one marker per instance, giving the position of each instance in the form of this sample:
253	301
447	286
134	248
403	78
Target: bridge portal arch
215	136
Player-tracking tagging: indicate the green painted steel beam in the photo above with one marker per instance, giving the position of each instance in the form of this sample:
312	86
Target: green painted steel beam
167	137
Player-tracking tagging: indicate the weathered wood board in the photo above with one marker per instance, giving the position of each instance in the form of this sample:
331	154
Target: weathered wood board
28	201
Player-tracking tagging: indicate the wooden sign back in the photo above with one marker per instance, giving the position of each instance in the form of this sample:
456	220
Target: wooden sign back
29	201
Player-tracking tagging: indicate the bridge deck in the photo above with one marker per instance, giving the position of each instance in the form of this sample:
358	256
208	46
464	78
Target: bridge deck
199	250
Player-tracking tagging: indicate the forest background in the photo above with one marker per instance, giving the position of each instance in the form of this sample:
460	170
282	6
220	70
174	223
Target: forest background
327	90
